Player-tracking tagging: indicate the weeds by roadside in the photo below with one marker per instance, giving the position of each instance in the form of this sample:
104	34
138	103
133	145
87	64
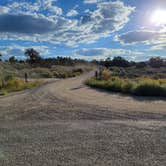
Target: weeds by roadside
12	84
139	86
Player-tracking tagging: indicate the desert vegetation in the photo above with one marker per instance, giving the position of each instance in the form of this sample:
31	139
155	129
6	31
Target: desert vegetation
154	68
12	70
37	67
12	84
139	86
135	78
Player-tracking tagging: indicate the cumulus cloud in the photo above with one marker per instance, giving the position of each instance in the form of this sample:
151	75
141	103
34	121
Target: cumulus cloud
34	8
4	10
18	50
159	46
23	8
103	53
138	36
155	38
55	9
106	19
25	24
72	13
92	1
25	19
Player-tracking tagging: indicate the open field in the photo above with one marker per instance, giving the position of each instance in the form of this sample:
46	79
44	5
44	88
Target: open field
67	123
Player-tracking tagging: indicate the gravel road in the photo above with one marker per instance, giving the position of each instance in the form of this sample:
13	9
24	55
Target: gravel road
65	123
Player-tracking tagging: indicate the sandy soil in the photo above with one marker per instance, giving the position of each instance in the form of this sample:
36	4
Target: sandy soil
65	123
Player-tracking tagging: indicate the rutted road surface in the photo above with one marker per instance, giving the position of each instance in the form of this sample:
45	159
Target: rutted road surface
66	123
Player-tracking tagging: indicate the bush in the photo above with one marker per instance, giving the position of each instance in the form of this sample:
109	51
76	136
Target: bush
127	87
78	70
14	84
139	86
115	84
120	62
8	77
149	89
64	75
76	74
40	73
3	92
17	84
156	62
106	75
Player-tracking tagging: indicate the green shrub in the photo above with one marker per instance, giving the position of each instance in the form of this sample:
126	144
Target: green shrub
149	89
128	87
76	74
40	73
8	77
14	84
3	92
55	74
106	74
47	74
64	75
17	84
1	82
78	70
139	86
115	84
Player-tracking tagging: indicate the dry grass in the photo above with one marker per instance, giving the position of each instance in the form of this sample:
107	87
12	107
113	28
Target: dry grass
16	84
139	86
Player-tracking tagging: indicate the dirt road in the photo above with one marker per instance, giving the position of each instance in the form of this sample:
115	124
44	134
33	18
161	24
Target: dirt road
74	90
66	123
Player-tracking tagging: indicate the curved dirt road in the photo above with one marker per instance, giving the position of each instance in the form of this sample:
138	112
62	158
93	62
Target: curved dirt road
74	90
65	123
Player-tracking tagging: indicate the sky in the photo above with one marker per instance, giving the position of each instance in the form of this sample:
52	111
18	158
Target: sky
86	29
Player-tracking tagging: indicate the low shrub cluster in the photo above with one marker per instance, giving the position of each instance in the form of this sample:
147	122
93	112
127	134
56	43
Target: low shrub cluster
138	87
66	74
11	84
55	71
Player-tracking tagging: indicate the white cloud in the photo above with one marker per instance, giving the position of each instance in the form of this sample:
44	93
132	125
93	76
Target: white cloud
18	51
103	53
34	8
23	8
107	18
157	39
159	47
4	10
72	13
138	36
56	10
92	1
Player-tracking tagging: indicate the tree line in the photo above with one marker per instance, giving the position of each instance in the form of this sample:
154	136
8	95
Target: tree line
155	62
35	60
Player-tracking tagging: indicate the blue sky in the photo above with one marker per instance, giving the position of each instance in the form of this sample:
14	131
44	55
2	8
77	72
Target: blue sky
87	29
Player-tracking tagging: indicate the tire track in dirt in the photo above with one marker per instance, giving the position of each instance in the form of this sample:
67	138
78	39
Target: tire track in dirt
60	124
